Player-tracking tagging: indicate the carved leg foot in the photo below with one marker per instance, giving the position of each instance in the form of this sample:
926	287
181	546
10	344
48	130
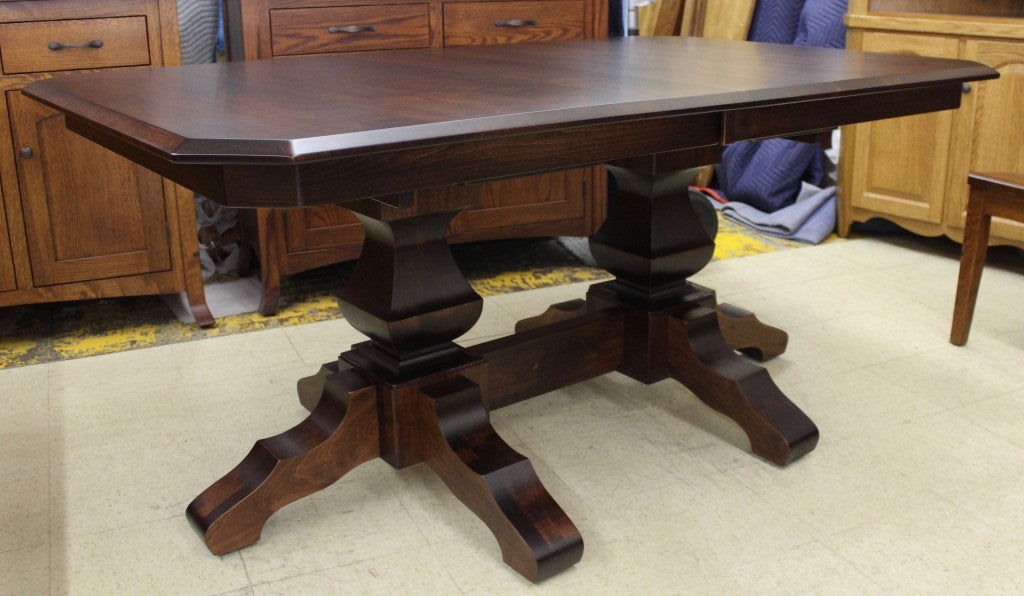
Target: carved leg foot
498	484
745	333
311	389
339	434
699	357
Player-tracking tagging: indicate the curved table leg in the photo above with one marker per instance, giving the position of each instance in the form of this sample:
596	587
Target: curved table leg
746	333
498	484
338	435
699	357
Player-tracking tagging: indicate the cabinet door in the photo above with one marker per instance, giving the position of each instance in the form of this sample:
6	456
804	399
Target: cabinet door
990	136
7	281
900	164
322	227
522	202
89	214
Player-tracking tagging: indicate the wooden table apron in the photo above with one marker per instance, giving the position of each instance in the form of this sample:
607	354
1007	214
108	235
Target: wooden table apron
385	133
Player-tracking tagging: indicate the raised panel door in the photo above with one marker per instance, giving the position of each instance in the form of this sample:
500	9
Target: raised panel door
89	214
522	202
900	164
991	136
322	227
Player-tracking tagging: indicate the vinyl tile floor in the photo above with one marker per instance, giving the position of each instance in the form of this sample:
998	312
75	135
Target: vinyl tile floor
915	487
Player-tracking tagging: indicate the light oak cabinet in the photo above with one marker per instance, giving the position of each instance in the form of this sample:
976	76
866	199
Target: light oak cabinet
561	203
913	171
78	220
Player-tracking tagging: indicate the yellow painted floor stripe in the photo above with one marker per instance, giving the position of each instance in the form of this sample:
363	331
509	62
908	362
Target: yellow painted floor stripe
45	333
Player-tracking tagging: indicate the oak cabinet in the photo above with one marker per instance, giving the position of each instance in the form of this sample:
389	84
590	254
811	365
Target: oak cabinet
560	203
7	281
80	221
913	171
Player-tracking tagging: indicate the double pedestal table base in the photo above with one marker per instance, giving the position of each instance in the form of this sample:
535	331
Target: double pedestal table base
410	395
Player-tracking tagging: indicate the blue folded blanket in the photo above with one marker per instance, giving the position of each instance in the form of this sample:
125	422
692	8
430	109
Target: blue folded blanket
811	217
768	175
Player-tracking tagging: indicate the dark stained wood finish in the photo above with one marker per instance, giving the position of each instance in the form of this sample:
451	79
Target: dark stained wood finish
744	332
551	204
536	537
340	433
992	195
410	394
699	358
400	102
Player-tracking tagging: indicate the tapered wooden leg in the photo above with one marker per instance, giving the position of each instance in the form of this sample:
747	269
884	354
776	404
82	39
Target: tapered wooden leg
338	435
972	262
744	332
698	356
499	485
270	230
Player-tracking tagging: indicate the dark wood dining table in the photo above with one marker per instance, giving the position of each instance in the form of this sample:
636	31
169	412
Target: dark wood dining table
386	134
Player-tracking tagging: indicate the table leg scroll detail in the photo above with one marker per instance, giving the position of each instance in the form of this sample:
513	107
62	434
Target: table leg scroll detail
339	434
746	333
498	484
699	357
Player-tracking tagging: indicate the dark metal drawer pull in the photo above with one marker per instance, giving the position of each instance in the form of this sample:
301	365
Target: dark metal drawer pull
352	29
56	45
515	23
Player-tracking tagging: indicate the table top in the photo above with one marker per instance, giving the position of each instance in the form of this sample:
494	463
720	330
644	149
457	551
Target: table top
621	96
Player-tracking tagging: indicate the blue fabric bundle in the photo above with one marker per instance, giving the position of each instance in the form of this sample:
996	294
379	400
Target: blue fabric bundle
775	21
768	174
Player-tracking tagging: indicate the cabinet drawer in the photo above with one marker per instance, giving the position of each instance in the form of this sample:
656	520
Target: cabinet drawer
44	46
296	31
475	23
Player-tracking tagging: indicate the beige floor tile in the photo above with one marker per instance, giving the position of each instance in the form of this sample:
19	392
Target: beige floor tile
347	522
856	403
938	548
24	441
236	356
1002	415
140	486
415	571
808	569
836	488
317	343
130	371
999	505
949	376
700	520
24	513
25	571
23	391
945	452
162	557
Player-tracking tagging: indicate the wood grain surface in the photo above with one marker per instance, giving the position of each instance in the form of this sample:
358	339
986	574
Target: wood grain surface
267	111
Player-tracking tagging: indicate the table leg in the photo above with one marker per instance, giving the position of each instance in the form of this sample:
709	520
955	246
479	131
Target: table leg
409	395
339	434
652	241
